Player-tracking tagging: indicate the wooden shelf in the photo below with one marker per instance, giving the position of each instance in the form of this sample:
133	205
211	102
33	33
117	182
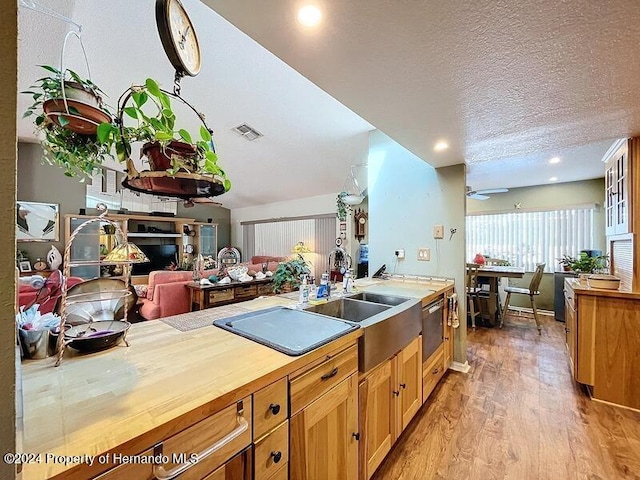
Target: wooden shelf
153	235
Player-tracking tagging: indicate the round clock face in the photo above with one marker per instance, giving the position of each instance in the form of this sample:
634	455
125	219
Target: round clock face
338	241
178	36
39	265
362	220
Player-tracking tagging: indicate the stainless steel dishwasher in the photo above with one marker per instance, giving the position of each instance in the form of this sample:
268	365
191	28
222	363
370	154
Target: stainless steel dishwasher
432	318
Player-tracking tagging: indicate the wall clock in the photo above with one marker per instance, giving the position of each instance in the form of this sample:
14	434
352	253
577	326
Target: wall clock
360	217
178	37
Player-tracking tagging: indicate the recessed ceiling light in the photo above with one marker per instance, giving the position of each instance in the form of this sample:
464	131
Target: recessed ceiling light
553	179
309	16
554	160
440	146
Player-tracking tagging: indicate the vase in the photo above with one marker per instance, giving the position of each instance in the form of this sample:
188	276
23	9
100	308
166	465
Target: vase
160	156
54	258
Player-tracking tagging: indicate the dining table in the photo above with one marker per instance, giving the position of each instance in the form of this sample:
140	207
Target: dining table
490	274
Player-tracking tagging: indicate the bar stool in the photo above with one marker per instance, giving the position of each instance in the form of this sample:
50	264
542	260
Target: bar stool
532	291
473	291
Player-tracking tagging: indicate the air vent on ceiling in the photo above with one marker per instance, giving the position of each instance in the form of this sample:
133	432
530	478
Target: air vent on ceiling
247	132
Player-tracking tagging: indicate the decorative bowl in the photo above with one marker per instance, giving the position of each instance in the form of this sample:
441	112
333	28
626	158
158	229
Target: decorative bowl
95	336
608	282
236	272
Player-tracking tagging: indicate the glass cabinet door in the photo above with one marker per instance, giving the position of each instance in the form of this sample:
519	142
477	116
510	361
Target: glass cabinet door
208	241
85	247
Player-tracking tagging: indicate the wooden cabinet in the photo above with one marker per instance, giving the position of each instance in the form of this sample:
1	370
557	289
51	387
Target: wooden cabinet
206	239
603	341
324	435
238	468
617	190
390	395
215	439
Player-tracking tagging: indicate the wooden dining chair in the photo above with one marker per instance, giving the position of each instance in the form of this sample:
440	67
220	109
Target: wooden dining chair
473	291
532	291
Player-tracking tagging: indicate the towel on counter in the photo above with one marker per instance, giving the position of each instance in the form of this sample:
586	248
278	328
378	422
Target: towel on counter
452	318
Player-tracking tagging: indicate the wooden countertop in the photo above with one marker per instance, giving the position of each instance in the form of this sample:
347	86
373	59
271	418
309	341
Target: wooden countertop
600	292
125	399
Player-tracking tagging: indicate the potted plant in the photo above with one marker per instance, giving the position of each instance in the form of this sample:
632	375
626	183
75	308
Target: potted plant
145	115
586	264
67	111
287	276
567	261
342	207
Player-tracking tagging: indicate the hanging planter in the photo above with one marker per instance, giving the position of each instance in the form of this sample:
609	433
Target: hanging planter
179	165
68	110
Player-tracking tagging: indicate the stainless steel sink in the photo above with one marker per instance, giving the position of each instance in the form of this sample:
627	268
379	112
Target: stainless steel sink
386	328
348	309
391	300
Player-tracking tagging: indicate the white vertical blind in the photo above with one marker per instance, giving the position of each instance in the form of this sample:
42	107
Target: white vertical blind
528	238
278	239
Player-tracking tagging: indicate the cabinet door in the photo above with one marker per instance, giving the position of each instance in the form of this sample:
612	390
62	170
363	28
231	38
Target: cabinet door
571	332
238	468
208	241
617	192
323	437
410	380
377	402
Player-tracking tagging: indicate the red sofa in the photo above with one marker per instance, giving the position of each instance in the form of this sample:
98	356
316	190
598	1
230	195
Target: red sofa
26	295
167	294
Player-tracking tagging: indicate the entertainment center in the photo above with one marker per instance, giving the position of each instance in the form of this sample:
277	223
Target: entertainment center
165	240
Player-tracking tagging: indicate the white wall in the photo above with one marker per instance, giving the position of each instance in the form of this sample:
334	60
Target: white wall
407	197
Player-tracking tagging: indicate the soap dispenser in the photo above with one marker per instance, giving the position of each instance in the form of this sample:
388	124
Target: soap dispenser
304	290
347	282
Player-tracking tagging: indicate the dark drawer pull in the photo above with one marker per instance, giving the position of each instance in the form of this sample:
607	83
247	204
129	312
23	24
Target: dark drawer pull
356	435
396	393
435	371
332	373
275	408
277	456
403	385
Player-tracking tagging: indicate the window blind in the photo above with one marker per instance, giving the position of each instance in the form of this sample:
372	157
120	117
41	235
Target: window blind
528	238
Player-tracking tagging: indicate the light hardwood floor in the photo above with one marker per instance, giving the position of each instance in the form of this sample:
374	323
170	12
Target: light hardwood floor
516	415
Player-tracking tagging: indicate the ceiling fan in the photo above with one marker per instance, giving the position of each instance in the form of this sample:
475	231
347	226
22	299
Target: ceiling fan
483	194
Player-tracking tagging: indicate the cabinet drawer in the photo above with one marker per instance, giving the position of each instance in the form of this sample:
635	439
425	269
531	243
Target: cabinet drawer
245	291
270	407
272	452
196	439
217	296
309	386
265	289
432	371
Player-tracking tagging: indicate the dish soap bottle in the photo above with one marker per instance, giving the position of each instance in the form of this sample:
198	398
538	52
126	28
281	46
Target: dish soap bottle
347	282
304	290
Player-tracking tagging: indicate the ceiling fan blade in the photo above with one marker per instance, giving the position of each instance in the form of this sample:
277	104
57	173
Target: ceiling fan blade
493	190
477	196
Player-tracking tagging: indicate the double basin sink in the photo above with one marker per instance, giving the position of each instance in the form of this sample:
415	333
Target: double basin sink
388	322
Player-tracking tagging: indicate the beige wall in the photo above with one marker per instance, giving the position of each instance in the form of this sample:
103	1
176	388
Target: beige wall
554	196
8	156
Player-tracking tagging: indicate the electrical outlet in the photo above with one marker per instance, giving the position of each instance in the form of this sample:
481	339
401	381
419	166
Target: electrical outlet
438	231
424	254
400	253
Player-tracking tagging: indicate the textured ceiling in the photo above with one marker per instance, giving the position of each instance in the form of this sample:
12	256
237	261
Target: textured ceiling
310	139
507	82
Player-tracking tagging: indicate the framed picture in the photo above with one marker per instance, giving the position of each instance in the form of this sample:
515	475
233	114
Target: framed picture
24	266
37	222
343	226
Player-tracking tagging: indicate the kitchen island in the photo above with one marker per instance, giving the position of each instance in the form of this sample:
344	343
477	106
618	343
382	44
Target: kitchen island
127	399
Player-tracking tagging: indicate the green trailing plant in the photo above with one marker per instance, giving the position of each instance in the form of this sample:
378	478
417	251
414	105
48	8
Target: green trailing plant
342	208
150	118
289	273
78	154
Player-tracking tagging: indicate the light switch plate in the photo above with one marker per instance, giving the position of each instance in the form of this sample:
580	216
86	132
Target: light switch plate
424	254
438	231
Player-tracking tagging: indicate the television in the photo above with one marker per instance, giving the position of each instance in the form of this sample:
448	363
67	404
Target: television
160	257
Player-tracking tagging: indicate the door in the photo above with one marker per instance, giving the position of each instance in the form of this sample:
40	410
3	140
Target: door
409	362
324	436
376	413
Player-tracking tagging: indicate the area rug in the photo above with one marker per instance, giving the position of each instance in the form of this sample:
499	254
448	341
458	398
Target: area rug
203	318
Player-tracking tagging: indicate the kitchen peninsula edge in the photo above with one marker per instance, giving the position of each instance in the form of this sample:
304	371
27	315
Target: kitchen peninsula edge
125	399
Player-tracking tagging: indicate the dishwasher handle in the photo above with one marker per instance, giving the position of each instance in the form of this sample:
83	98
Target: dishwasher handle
434	307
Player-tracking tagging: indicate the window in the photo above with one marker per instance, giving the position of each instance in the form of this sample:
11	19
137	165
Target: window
528	238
